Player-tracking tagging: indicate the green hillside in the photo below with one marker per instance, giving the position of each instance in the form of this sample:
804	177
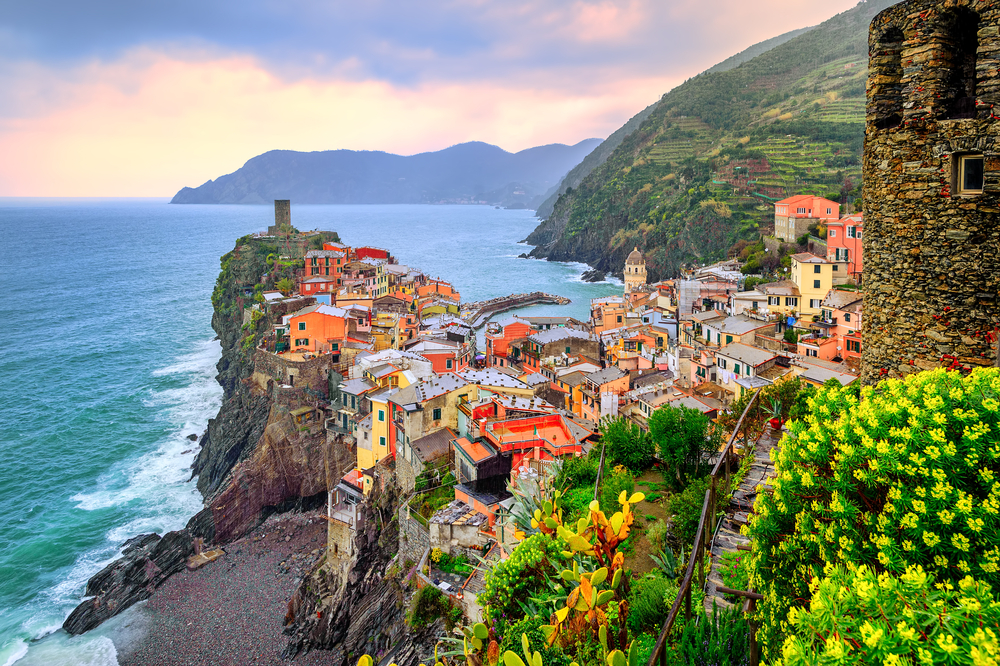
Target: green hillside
702	169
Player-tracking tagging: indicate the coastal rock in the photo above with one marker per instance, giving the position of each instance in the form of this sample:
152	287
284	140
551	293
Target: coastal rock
593	275
146	562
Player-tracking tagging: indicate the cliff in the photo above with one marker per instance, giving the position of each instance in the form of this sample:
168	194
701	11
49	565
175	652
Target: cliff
702	169
466	173
256	459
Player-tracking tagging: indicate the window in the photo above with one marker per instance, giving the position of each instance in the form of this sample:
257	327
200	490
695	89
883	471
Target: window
816	284
302	342
886	96
811	352
354	401
619	319
829	211
381	415
437	414
854	346
817	269
729	339
815	303
722	363
794	302
736	368
302	326
800	210
850	232
381	441
835	268
960	28
447	364
968	174
842	254
567	350
774	300
847	316
832	233
859	233
335	346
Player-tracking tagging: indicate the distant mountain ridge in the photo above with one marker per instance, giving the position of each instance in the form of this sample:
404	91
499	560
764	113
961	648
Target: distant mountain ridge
464	173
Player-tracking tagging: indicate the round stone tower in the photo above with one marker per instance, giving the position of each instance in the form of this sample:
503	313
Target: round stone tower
932	188
635	271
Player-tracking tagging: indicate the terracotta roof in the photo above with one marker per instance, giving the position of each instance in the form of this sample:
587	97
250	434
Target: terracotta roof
475	451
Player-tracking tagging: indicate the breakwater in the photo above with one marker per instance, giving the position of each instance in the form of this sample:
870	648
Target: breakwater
477	313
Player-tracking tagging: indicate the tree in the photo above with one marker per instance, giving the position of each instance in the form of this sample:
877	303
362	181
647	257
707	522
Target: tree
682	436
628	445
285	286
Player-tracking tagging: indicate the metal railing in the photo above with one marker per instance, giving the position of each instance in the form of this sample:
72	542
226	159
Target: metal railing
703	539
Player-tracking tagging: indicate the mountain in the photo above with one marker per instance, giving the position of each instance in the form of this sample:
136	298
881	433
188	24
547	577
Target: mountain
464	173
702	169
603	151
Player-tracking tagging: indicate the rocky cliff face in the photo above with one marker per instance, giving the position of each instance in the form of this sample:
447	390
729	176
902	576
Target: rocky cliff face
353	604
255	460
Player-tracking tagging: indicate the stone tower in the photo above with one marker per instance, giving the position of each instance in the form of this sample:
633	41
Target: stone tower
635	271
282	216
932	188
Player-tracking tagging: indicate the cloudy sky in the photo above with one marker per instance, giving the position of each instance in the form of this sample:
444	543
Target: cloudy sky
142	97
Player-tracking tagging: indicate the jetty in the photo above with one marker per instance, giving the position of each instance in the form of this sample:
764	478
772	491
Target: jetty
478	313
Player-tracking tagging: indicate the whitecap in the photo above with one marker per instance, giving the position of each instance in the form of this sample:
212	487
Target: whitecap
12	652
63	650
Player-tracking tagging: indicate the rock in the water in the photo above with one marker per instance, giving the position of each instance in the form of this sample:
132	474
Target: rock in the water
523	255
193	437
146	562
593	275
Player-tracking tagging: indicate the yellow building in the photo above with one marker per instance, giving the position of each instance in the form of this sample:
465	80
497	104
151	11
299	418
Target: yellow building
814	277
635	271
385	331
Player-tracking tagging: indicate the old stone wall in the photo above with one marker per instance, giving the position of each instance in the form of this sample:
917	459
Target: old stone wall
312	375
932	253
414	539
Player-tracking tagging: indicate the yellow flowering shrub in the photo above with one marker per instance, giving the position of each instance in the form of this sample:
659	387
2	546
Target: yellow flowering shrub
860	617
904	474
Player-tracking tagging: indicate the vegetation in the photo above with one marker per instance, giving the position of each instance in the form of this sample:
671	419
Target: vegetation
720	640
428	605
685	440
699	172
627	445
899	476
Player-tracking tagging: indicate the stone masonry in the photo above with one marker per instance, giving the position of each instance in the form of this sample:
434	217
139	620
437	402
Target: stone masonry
931	244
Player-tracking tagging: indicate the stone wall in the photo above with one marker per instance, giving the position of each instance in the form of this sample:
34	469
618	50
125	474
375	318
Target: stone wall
312	375
414	539
932	254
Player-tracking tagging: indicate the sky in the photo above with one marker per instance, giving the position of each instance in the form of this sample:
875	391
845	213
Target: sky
143	97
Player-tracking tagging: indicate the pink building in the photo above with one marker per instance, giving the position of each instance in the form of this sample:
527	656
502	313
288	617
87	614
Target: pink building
793	216
843	243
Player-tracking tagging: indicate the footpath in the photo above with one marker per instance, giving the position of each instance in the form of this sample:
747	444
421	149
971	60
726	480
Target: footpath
728	538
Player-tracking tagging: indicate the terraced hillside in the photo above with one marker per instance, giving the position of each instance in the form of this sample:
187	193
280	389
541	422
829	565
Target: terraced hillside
701	170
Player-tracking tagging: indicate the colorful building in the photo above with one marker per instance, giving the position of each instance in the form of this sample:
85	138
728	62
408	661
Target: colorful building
607	313
500	335
317	328
793	216
843	243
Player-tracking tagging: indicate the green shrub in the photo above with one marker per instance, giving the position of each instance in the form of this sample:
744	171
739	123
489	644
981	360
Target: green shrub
627	445
575	503
734	569
791	335
517	578
904	475
859	617
578	472
685	509
615	481
649	603
529	627
644	644
428	605
685	440
657	535
720	640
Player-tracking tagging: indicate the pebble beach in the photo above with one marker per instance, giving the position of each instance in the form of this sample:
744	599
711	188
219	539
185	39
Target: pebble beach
231	611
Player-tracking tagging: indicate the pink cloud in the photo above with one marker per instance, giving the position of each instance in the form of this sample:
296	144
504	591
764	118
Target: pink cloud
152	123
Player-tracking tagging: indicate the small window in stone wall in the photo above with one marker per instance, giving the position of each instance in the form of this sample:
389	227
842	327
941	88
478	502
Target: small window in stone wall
887	96
968	174
960	44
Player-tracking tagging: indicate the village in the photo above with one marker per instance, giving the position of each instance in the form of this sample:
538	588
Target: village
402	387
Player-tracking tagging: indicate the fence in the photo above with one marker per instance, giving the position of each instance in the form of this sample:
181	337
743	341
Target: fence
706	530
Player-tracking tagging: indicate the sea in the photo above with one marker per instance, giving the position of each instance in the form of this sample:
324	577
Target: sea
110	362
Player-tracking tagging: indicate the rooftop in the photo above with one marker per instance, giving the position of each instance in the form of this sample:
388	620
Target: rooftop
561	333
606	375
808	258
782	288
490	377
837	299
476	451
738	325
746	354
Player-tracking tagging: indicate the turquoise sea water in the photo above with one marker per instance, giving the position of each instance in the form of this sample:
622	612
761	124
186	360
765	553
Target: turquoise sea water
109	365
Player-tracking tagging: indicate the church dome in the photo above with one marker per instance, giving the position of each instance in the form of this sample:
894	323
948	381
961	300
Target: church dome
634	258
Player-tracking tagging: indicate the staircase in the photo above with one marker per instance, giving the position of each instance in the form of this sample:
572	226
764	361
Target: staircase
728	538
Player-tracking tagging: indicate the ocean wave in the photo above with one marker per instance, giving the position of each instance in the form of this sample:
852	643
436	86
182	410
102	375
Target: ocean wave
61	650
205	356
13	652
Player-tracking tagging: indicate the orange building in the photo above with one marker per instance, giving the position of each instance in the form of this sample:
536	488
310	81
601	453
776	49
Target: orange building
793	216
611	380
438	288
317	328
499	335
537	438
607	313
843	243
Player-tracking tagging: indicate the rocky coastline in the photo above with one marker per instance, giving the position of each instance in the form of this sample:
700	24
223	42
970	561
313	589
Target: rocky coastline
255	464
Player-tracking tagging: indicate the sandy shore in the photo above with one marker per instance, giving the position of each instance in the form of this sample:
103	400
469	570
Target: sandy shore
231	611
